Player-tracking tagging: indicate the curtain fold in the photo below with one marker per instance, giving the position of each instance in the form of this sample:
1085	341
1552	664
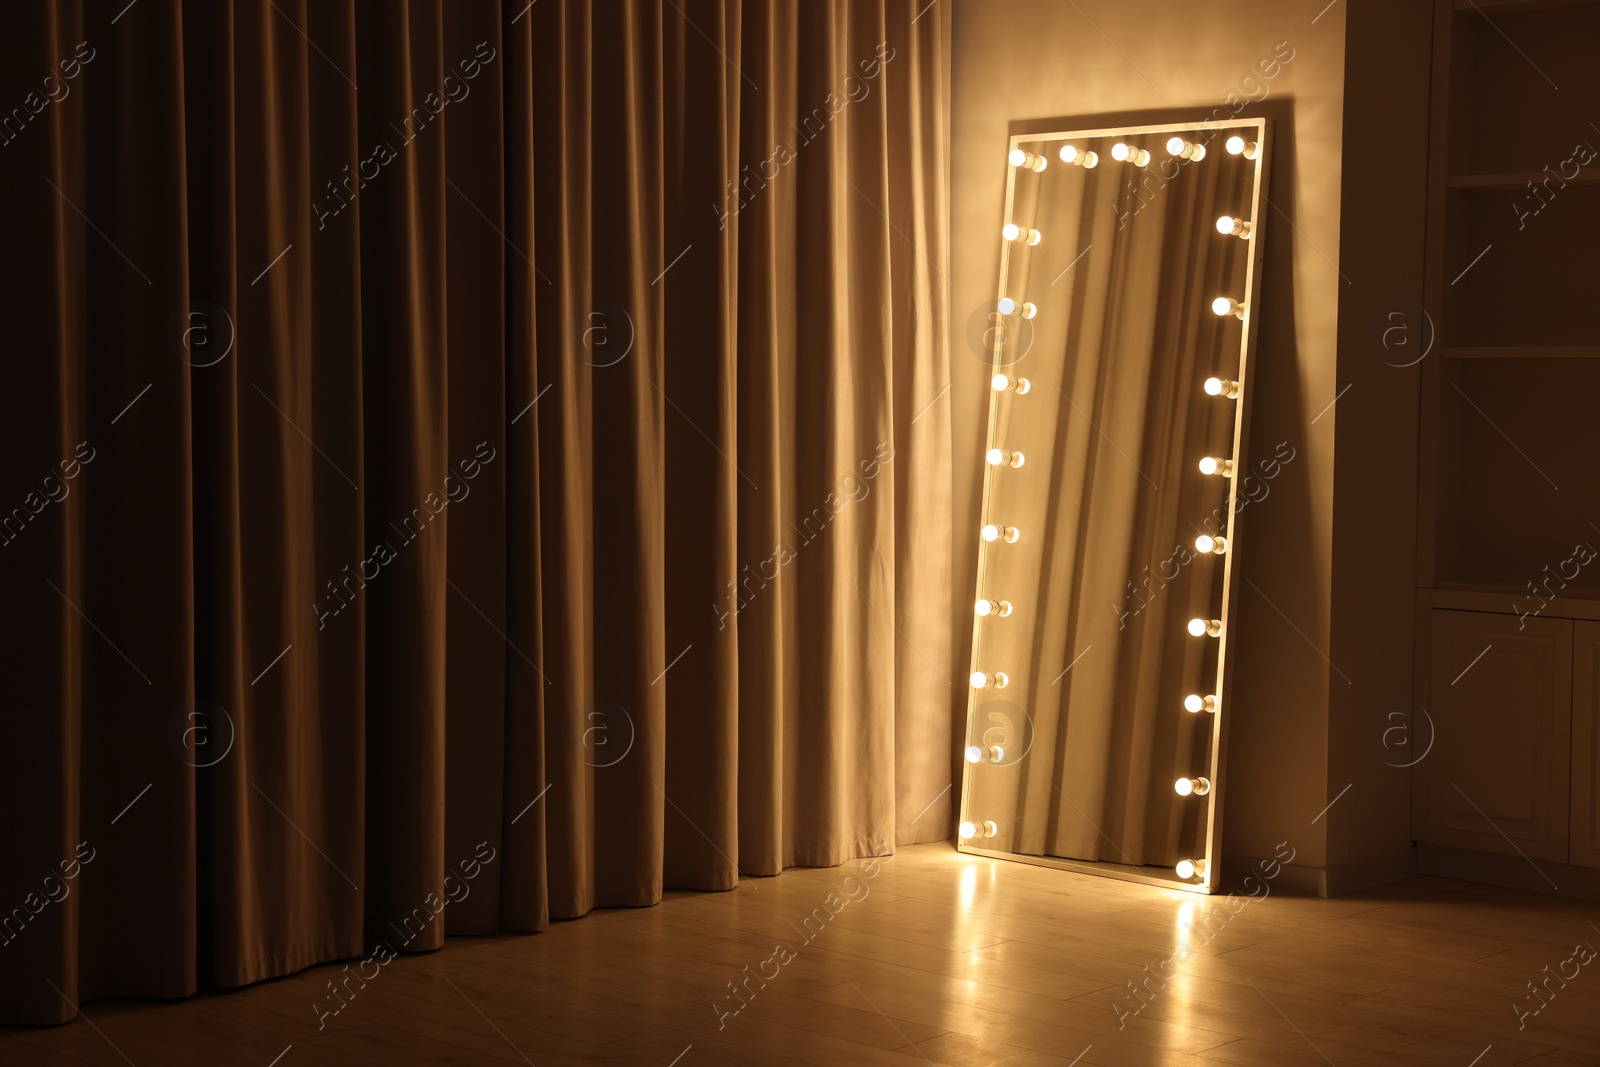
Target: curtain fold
506	488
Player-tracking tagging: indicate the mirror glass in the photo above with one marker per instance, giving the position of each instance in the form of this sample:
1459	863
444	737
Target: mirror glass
1115	478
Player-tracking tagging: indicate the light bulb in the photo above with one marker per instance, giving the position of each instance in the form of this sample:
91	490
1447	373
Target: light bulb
997	680
1177	146
1194	703
1221	387
1191	868
992	532
1027	160
1192	787
1232	227
1213	465
1002	382
969	829
1238	146
999	457
1215	545
986	828
1124	153
998	608
1227	305
1205	627
1008	306
1012	232
1079	157
979	754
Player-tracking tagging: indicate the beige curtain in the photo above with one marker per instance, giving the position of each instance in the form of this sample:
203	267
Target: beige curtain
503	476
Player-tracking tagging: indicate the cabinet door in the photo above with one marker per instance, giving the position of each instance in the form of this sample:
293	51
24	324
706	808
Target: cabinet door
1498	778
1586	744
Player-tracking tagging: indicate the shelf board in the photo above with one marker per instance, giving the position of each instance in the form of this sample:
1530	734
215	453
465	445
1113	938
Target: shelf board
1506	7
1505	599
1519	352
1519	179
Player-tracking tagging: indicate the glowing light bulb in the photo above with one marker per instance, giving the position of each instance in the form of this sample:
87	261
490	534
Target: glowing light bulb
969	829
998	457
1003	382
998	608
1079	157
1222	387
997	680
1194	703
1126	153
1012	232
1238	146
1191	868
1214	545
1177	146
1224	306
1192	787
1229	226
1213	465
979	754
1205	627
993	532
1027	160
987	828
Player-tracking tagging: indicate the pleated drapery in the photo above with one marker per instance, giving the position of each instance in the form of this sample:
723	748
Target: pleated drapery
501	490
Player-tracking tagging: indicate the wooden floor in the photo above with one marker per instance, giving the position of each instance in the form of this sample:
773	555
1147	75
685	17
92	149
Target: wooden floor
938	958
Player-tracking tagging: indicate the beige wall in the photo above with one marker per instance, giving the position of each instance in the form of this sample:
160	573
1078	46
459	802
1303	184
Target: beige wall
1040	64
1375	486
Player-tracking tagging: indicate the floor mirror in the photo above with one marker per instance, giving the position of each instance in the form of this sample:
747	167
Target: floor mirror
1115	475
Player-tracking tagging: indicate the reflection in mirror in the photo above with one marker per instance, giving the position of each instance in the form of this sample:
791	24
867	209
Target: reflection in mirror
1115	475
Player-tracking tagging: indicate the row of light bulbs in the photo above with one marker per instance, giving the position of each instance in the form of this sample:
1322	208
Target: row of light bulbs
1126	153
1222	306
